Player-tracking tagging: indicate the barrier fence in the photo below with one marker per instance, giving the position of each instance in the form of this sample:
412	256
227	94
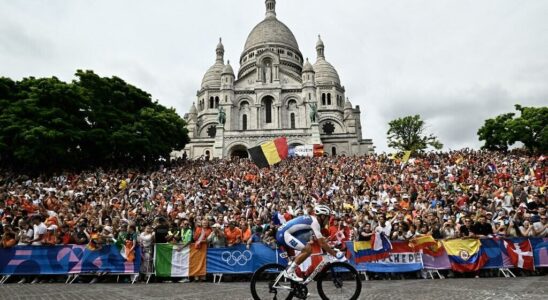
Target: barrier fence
76	259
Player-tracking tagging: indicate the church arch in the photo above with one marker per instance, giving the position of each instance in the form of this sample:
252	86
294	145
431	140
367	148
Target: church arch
238	150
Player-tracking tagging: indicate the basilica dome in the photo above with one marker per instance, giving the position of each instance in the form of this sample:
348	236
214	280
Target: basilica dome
271	31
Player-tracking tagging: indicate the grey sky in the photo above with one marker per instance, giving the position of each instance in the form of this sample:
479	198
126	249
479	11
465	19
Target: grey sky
455	62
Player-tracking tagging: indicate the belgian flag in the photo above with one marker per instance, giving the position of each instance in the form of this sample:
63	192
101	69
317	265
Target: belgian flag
269	153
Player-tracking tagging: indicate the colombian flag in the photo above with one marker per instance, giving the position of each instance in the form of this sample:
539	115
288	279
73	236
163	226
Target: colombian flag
377	248
269	153
465	255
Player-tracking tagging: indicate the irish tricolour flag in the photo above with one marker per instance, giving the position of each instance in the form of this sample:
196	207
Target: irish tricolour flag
176	261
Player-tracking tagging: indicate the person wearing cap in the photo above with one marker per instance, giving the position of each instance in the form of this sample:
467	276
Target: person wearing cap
216	238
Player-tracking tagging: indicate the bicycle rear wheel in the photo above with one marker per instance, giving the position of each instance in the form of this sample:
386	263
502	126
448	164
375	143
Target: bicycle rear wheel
262	283
339	281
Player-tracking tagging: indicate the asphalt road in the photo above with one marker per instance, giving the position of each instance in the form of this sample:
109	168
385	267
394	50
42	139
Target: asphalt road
483	288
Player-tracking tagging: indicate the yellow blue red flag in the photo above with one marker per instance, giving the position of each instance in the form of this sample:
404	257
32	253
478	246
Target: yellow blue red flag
377	248
465	255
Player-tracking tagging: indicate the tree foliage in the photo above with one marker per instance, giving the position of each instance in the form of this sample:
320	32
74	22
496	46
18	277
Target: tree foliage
408	134
505	130
47	124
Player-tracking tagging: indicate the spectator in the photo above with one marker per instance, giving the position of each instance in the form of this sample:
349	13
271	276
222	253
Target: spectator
161	231
186	235
365	232
256	237
26	234
233	234
202	233
39	230
216	238
146	241
246	231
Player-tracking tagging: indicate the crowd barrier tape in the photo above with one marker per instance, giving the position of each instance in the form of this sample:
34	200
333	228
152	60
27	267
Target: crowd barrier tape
75	259
66	260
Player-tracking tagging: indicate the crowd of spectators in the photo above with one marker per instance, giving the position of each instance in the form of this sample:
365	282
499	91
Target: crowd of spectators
223	203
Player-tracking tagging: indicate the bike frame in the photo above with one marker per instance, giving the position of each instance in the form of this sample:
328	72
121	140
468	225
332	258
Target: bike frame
325	261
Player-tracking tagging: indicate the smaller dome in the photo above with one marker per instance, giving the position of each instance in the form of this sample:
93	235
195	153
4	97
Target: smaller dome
326	73
212	77
347	104
308	67
227	70
193	109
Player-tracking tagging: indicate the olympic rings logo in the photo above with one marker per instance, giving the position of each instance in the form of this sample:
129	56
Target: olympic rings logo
236	257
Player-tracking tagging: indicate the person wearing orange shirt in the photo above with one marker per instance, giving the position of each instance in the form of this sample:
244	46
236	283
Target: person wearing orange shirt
201	233
233	234
246	231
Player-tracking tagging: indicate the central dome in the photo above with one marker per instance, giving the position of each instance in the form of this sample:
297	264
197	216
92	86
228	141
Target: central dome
271	31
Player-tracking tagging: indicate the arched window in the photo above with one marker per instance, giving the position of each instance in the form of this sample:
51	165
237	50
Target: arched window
244	105
323	99
309	96
268	110
244	122
216	102
211	102
328	98
292	121
334	151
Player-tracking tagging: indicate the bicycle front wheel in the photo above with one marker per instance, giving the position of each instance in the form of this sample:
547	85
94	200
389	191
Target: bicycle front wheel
339	281
264	284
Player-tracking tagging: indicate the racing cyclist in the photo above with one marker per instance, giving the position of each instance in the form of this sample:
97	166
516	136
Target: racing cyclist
298	234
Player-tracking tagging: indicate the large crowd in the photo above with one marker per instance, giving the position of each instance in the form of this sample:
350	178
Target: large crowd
222	203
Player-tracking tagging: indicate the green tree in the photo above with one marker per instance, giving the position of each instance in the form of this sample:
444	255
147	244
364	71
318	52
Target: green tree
47	124
495	133
529	128
408	134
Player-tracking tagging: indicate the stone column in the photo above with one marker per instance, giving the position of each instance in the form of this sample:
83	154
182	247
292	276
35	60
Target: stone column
219	145
315	130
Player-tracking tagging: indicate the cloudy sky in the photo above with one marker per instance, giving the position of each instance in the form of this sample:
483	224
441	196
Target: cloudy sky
454	62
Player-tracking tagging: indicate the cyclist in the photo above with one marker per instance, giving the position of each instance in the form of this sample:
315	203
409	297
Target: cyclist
298	234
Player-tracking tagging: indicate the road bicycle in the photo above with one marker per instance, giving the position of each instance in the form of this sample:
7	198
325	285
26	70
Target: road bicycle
335	280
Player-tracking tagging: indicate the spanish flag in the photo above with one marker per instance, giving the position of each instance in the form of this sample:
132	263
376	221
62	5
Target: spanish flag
465	255
427	244
269	153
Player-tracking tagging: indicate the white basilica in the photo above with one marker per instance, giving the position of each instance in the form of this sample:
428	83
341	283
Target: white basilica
275	93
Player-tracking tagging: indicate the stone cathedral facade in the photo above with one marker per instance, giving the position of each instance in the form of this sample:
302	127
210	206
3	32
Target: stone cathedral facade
276	92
